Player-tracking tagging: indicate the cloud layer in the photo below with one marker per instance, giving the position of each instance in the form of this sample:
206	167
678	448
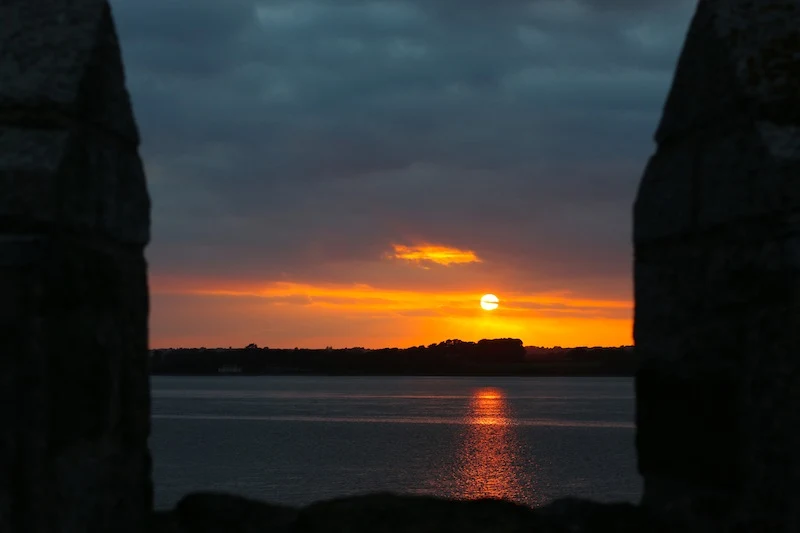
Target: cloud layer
300	140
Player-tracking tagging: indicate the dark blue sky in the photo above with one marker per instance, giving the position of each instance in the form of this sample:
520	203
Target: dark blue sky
283	138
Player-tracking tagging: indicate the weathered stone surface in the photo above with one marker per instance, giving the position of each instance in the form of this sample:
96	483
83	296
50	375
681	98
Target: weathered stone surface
717	275
74	218
64	111
60	62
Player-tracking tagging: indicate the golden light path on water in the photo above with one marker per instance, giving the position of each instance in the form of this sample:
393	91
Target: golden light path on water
488	465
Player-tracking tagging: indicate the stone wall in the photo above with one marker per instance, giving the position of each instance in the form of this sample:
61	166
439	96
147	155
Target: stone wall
717	272
74	219
717	275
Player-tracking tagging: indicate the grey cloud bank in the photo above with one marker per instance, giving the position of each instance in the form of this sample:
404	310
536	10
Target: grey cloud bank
281	134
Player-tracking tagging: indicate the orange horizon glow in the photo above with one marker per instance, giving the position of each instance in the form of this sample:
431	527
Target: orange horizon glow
291	314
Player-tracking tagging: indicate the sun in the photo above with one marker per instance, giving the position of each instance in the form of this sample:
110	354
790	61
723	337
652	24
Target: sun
489	302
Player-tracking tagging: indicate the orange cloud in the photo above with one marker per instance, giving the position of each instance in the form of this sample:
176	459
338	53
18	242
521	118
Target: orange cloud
441	255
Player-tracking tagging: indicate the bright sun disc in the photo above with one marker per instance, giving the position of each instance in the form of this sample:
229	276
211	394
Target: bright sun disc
489	302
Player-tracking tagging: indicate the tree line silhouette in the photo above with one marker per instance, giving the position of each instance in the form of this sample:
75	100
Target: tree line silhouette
450	357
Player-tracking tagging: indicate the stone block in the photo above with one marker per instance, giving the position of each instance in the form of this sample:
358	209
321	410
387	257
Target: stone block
29	168
76	180
716	311
60	62
103	189
74	220
664	201
688	425
734	179
704	62
77	431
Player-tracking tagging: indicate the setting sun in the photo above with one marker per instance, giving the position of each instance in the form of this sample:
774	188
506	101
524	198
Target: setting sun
489	302
387	316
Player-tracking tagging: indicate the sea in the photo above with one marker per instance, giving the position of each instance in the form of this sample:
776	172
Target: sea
300	439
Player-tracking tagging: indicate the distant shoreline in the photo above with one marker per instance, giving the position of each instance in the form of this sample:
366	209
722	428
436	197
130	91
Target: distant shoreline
530	372
419	375
454	358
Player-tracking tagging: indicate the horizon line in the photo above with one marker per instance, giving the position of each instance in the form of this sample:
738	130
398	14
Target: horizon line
555	347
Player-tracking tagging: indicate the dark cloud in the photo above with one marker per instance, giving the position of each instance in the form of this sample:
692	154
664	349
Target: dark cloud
281	137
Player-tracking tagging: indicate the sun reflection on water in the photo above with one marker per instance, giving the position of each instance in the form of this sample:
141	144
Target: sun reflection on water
489	459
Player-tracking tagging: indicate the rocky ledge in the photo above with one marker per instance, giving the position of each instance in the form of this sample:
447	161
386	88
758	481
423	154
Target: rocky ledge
209	512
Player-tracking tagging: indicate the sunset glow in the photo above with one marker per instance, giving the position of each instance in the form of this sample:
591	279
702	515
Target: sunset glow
288	314
388	200
441	255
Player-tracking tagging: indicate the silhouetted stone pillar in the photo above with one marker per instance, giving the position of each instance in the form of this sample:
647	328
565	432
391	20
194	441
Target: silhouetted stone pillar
717	272
74	220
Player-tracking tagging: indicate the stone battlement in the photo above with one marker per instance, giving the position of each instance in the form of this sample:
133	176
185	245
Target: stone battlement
716	236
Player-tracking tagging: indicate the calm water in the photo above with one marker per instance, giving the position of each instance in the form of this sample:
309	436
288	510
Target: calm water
300	439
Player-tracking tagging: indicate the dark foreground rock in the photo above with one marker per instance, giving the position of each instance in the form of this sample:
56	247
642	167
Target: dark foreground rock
391	513
207	512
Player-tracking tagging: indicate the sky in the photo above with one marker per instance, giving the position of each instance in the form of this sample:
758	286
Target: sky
358	173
